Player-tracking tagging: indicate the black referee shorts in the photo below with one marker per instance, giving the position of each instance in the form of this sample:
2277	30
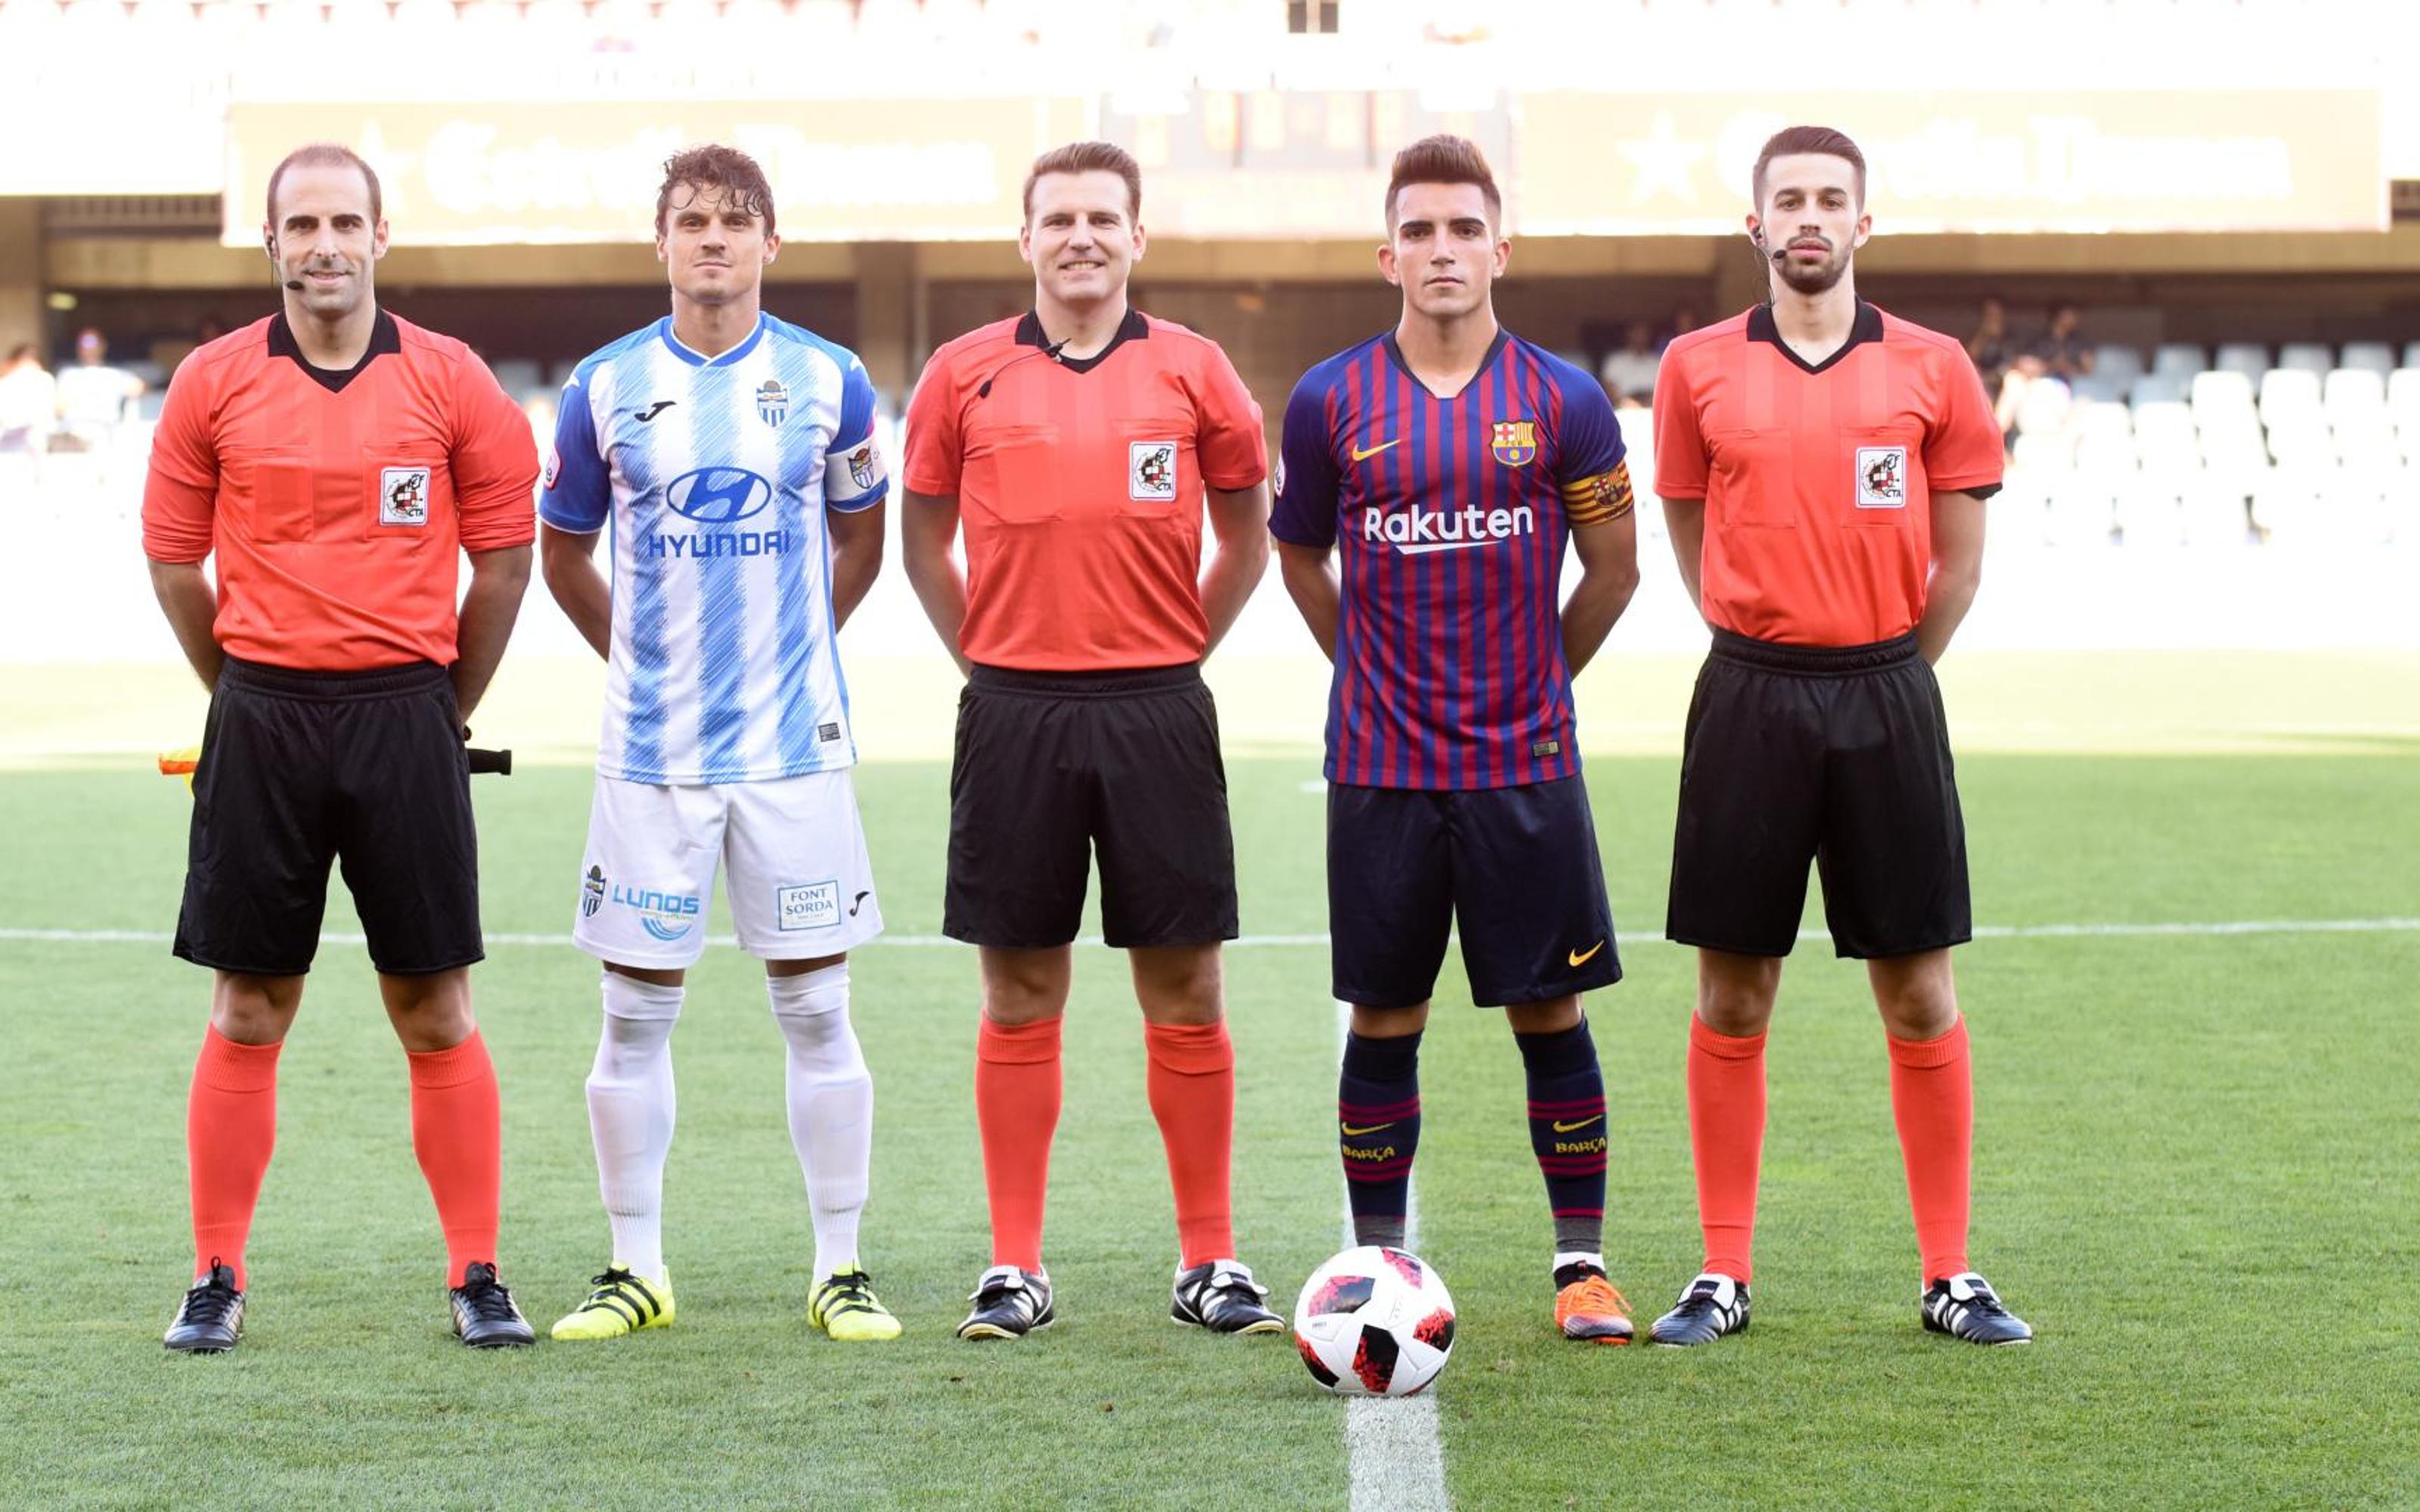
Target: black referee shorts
1515	867
1051	767
300	768
1839	755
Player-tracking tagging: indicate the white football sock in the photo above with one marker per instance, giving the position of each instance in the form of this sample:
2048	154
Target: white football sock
831	1107
631	1116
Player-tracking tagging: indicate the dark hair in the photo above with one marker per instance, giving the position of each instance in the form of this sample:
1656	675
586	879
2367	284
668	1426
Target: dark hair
1089	157
1792	140
20	352
728	169
1444	160
327	155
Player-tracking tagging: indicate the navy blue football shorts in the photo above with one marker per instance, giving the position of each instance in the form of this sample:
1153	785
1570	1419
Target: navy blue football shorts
1837	755
1515	870
301	769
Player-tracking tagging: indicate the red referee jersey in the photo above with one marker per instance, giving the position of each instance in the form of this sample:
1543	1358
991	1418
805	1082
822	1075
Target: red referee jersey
1080	484
337	503
1818	478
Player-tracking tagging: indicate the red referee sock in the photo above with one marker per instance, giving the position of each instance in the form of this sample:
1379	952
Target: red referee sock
1017	1106
230	1128
1191	1079
456	1130
1727	1132
1932	1101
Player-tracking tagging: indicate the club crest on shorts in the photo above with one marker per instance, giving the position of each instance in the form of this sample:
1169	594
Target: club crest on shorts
1151	471
772	402
1882	477
1515	441
809	905
403	495
591	893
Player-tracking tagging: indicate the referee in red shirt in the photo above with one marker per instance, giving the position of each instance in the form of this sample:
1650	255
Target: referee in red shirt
1824	466
336	461
1078	444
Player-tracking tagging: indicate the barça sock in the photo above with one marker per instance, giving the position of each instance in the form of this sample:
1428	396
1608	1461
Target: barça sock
1378	1133
230	1128
831	1107
1932	1101
631	1116
1726	1134
455	1132
1191	1079
1567	1130
1017	1106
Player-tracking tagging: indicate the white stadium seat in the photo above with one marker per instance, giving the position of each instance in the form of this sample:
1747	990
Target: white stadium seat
2305	357
2288	394
2158	388
2181	358
2248	357
2412	354
2353	391
2117	361
2103	388
2221	388
2373	356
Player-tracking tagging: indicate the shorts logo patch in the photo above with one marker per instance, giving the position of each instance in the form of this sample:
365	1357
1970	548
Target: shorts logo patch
403	495
1882	477
1151	471
809	905
665	915
591	893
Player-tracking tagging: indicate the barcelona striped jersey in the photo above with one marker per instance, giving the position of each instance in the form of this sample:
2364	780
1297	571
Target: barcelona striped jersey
1450	517
715	474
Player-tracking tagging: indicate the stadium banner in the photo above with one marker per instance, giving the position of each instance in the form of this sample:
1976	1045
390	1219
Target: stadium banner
1278	165
481	175
1969	161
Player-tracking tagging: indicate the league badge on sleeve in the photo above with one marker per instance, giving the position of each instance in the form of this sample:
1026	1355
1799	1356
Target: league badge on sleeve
403	495
1515	441
1882	477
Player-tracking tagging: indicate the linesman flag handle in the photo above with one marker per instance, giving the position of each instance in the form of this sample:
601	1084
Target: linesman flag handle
181	762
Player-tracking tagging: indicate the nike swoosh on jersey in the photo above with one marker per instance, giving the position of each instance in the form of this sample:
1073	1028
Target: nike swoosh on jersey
1560	1127
1581	958
1360	455
1352	1132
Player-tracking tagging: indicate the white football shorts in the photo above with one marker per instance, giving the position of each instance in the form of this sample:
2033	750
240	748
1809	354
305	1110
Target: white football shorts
792	851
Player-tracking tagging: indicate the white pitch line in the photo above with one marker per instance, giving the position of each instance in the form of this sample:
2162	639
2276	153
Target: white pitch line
2218	929
1395	1452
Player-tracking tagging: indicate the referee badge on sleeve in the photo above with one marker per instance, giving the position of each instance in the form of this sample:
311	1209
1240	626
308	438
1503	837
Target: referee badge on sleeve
1151	471
1882	477
403	495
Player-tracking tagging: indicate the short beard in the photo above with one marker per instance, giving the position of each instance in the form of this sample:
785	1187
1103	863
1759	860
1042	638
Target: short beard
1816	281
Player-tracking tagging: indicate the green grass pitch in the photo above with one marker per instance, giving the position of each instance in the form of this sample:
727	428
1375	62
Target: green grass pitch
2196	1175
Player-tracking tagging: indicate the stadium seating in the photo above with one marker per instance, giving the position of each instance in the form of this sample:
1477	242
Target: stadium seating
2376	356
2248	357
2305	357
2180	359
2113	361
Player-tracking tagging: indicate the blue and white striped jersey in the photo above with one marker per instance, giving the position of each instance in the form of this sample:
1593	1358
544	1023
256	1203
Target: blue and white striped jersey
715	474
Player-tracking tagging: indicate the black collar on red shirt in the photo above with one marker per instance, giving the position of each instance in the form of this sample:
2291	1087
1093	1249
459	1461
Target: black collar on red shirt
1867	327
384	338
1395	355
1133	327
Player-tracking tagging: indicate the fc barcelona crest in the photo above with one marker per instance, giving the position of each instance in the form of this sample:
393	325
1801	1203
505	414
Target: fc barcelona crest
1514	442
772	402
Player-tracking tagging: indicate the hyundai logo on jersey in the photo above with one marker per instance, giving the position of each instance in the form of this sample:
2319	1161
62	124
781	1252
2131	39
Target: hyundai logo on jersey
718	495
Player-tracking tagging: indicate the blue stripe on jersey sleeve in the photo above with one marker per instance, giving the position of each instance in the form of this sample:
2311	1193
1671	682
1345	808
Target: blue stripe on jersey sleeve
579	493
1589	440
1305	513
